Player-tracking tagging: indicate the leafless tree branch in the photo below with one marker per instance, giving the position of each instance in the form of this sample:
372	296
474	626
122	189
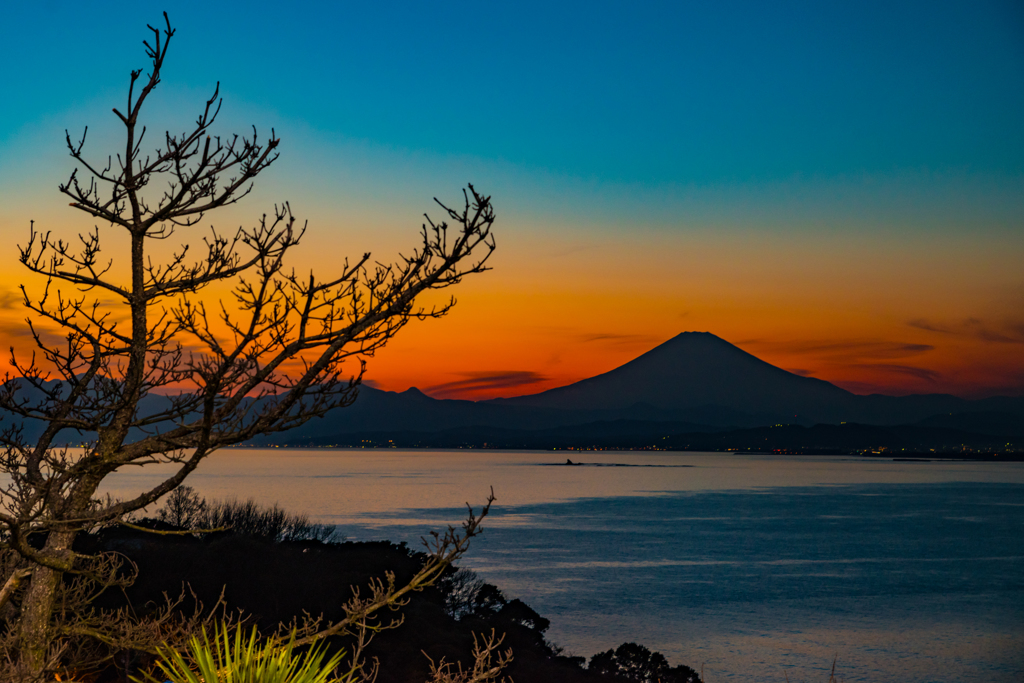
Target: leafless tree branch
148	371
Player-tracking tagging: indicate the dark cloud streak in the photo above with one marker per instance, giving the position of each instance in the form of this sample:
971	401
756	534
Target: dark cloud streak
475	382
620	339
10	300
924	374
1010	332
854	348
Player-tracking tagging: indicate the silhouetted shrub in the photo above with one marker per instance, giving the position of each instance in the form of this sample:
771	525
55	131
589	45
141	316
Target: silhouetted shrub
235	653
185	509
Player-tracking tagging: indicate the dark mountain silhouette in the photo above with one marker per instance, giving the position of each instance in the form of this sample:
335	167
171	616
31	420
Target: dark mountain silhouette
698	370
411	410
693	383
991	423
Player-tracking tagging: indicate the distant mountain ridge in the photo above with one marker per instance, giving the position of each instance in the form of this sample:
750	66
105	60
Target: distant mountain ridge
693	383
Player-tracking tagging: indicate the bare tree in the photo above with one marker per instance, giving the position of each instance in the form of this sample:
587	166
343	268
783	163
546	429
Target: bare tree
488	663
182	508
122	339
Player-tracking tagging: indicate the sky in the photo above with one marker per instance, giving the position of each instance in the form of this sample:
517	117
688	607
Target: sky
837	188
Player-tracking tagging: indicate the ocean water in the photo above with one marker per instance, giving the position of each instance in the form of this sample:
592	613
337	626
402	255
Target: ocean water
751	567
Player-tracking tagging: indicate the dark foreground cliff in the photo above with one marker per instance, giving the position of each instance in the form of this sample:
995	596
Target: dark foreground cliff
274	582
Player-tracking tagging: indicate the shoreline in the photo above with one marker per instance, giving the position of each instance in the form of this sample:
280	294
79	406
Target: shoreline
895	456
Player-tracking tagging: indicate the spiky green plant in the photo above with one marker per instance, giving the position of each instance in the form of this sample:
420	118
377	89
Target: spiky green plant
236	657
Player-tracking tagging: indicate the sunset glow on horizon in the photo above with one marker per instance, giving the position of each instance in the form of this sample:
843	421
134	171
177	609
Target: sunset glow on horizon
837	191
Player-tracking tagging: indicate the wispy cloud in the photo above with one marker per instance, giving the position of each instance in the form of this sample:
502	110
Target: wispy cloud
889	378
1007	332
620	339
846	349
923	374
476	382
863	387
21	331
10	300
922	324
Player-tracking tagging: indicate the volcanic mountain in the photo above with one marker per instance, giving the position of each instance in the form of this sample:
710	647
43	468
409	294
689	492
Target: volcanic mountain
696	381
699	370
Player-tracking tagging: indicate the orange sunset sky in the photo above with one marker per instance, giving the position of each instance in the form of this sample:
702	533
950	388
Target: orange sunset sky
843	198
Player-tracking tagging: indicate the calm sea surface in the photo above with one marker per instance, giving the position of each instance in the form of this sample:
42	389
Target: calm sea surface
754	567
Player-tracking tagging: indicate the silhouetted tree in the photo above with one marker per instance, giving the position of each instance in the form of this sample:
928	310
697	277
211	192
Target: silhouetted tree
460	589
636	663
183	508
105	343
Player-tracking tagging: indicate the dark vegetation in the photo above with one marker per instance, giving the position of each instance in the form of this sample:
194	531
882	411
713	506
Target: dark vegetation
273	568
185	509
636	663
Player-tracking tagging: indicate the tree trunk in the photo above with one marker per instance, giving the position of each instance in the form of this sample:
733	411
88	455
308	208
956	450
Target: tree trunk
37	607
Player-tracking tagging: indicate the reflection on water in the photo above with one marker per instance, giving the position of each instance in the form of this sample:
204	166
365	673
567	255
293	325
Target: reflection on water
352	485
754	566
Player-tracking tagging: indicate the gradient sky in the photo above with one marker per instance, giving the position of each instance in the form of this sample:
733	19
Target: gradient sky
837	188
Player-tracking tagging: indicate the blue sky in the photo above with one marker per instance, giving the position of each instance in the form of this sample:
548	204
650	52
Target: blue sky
647	93
863	147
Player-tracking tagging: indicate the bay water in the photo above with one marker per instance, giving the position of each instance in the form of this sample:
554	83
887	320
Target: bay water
750	567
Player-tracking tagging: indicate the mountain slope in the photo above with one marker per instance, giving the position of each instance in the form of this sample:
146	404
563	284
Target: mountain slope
696	369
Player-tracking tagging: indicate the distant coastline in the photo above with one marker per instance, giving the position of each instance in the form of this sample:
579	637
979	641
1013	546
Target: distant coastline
903	441
894	456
